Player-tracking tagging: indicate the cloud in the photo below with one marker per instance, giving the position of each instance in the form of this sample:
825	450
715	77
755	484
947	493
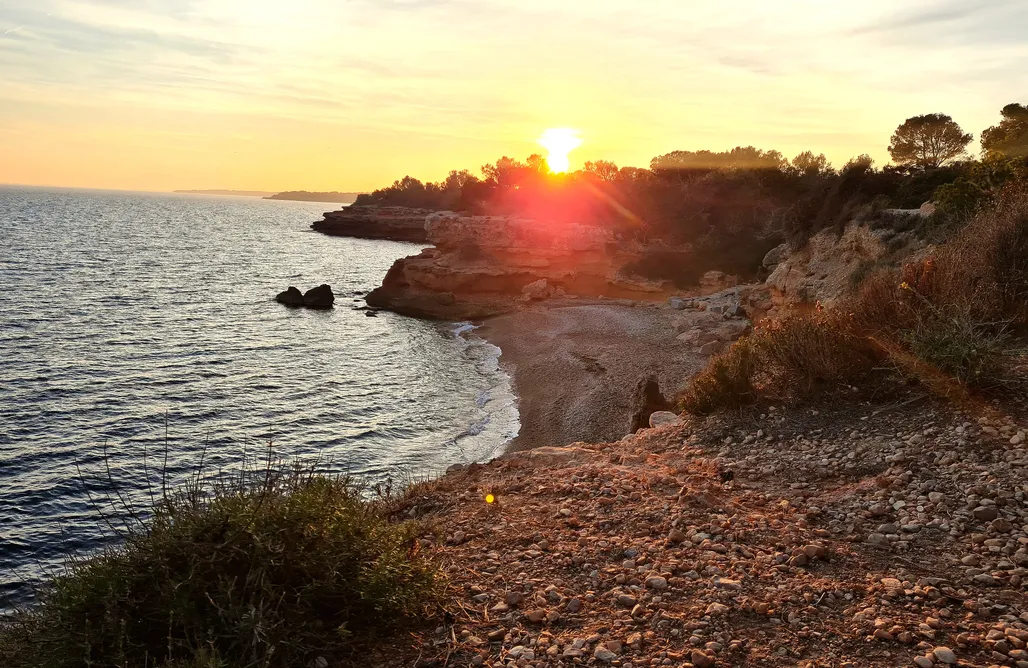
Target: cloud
953	23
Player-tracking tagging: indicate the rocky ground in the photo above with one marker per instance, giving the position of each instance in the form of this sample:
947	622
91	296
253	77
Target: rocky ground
865	536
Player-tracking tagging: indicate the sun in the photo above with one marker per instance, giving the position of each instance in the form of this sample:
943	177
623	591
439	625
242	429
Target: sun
558	142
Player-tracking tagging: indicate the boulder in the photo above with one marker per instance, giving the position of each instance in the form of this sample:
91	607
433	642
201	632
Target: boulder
537	290
732	330
291	297
646	401
661	418
712	348
775	256
319	297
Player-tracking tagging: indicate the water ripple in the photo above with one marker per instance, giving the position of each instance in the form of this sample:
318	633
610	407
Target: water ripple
134	324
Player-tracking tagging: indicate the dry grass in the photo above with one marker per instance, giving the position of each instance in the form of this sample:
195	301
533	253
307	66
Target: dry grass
790	359
944	321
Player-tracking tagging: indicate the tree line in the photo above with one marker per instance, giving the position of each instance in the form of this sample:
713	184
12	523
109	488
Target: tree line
737	204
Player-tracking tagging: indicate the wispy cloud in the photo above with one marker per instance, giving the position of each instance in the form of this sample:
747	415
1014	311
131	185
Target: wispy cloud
474	73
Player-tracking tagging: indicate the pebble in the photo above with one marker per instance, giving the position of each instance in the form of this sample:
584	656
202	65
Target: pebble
944	655
657	583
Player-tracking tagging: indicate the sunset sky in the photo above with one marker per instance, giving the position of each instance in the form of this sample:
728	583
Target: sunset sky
352	94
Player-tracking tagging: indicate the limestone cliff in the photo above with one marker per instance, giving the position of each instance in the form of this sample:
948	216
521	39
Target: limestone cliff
394	223
832	264
484	265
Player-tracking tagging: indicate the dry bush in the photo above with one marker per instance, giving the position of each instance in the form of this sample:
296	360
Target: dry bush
802	353
788	359
726	381
944	320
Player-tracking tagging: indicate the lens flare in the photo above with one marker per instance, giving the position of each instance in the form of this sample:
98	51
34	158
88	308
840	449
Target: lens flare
559	142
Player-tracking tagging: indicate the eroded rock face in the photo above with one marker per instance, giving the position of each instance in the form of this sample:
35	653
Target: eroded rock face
395	223
488	264
822	271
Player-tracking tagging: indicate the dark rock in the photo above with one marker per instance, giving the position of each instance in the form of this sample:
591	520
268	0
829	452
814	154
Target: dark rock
374	222
291	297
646	400
319	297
371	314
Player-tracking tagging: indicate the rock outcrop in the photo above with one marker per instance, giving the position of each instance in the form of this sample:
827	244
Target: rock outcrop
393	223
320	297
484	265
830	264
290	297
647	400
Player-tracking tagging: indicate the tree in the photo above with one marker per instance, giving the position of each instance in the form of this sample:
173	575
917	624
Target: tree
863	162
1009	139
928	141
810	164
604	170
740	157
458	179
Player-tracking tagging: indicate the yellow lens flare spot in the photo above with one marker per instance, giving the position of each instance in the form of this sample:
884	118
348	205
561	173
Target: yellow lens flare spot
559	142
489	498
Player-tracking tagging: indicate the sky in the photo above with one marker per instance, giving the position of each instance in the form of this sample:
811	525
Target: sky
353	94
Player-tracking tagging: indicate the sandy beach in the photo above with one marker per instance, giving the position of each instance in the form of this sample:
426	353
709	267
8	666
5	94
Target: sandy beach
577	367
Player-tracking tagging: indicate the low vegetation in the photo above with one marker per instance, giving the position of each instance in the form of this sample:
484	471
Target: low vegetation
944	321
280	569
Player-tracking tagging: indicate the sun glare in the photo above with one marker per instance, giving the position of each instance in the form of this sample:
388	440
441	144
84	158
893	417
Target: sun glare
559	142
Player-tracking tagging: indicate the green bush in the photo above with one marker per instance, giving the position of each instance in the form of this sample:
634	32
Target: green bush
272	572
959	346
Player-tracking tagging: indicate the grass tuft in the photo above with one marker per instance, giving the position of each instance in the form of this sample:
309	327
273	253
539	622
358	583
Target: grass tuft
277	569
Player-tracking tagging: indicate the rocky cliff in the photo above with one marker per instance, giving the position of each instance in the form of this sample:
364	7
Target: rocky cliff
393	223
832	264
484	265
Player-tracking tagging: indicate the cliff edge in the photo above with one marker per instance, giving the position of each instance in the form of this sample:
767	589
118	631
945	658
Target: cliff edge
486	265
393	223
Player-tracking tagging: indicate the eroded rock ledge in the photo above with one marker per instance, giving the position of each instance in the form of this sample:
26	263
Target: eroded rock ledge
485	265
392	223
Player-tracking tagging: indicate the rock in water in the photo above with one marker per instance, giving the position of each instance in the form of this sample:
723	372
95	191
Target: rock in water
291	297
319	297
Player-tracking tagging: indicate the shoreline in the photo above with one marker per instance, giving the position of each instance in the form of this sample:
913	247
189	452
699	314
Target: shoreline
577	368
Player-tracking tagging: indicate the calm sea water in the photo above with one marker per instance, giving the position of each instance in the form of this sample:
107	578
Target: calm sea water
138	325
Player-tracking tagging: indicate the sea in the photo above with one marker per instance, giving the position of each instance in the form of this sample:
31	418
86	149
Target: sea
141	347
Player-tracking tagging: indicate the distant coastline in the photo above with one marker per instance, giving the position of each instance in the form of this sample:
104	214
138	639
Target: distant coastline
333	197
235	193
304	196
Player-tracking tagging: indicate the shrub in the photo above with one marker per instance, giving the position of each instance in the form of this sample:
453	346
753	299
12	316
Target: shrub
788	359
273	572
726	382
943	320
806	352
959	346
